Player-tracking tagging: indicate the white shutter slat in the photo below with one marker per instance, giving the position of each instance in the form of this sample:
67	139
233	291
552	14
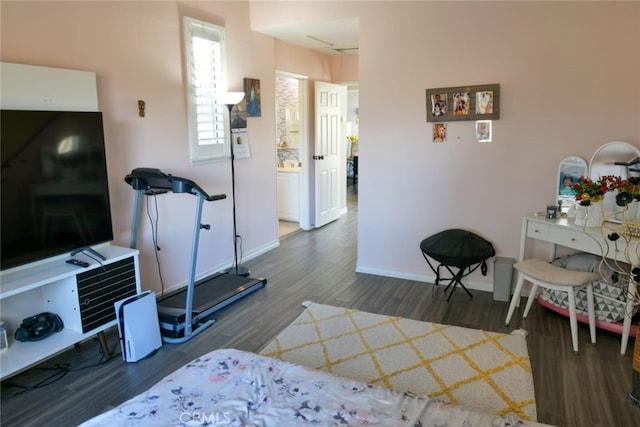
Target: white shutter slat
205	59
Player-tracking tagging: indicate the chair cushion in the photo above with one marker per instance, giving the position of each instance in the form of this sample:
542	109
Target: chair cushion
459	248
545	272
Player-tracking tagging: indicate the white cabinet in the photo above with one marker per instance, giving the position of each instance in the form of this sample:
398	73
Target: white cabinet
289	196
82	297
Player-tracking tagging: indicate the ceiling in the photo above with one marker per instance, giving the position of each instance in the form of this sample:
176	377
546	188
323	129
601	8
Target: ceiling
338	37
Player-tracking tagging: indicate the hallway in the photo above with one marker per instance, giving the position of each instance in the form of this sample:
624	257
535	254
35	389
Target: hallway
285	228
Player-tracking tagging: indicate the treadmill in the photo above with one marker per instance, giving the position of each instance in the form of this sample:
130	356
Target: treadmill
187	312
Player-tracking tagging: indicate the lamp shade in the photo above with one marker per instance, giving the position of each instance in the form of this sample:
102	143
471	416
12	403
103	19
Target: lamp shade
231	98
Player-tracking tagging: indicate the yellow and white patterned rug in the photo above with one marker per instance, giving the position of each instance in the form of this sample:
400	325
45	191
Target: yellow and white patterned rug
486	371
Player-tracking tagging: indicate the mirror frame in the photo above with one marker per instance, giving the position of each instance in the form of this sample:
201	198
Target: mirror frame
573	167
624	145
610	150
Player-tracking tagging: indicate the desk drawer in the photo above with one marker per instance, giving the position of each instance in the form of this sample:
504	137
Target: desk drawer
576	239
537	230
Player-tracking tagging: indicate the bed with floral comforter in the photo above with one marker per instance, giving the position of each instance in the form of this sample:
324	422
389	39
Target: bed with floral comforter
237	388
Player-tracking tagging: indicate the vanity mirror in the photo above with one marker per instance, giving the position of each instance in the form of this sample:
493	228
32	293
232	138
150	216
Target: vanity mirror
570	169
621	159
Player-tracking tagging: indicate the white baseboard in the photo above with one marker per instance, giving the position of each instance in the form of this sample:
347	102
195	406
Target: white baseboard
221	267
427	278
431	278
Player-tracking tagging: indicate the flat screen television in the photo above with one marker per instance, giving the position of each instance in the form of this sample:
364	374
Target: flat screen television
55	194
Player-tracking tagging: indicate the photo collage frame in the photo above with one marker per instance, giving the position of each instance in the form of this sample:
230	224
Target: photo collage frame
451	104
480	103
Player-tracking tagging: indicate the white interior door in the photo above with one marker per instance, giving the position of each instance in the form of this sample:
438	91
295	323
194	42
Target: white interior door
329	138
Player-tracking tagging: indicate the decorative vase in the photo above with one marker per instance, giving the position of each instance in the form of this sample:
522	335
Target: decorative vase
589	216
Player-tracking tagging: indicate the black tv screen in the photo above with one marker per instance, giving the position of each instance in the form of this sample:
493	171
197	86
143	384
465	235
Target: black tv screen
55	195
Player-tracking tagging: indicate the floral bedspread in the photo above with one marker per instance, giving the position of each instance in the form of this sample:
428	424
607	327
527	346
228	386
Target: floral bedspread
236	388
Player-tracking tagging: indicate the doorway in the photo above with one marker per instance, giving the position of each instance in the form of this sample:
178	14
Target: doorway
291	146
294	153
352	123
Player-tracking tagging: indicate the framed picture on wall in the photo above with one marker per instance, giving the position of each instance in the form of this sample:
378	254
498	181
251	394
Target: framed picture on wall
252	97
437	105
484	102
238	117
481	102
461	103
439	132
483	130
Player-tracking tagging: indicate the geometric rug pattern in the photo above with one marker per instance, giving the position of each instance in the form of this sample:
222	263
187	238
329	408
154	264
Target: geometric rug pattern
486	371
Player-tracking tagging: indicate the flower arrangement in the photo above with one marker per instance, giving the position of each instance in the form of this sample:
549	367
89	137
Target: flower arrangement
589	191
628	191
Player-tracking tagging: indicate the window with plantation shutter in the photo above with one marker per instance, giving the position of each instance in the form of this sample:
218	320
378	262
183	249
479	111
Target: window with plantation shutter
206	79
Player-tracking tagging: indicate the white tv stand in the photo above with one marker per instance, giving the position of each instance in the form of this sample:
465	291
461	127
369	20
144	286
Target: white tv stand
82	297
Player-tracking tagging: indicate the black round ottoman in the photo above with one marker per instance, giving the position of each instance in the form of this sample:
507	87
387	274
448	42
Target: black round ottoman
458	249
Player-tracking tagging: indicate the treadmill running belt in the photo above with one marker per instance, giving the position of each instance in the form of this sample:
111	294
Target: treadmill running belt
211	291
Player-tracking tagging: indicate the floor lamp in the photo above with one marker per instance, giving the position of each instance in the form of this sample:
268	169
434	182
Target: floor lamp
230	99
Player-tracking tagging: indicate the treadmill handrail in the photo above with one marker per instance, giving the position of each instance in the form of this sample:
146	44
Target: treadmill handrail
151	179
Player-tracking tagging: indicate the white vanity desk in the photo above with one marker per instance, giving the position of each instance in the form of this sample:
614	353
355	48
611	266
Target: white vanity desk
563	232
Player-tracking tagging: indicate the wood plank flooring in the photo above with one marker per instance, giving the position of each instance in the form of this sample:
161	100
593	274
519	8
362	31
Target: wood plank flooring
589	389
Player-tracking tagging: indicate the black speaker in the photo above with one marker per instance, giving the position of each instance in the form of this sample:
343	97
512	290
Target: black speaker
38	327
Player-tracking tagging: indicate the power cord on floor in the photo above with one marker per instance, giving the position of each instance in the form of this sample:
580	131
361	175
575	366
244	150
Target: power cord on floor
58	372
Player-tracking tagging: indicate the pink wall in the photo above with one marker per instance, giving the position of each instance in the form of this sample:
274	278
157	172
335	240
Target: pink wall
569	83
135	50
568	75
344	68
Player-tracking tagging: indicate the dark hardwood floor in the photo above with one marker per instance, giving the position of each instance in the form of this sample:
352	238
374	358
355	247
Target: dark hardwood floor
589	389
